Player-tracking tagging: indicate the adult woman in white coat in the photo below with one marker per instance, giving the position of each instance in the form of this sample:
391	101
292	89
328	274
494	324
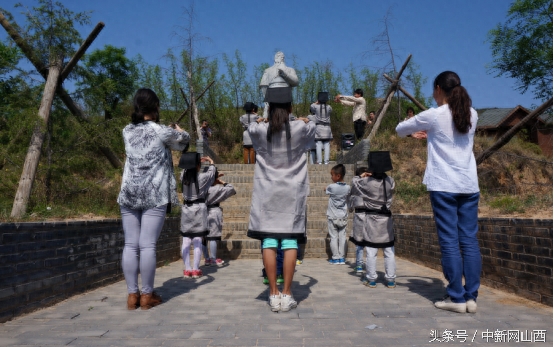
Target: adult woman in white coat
451	179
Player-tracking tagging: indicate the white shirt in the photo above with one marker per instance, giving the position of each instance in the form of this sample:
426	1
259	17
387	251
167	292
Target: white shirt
358	110
451	164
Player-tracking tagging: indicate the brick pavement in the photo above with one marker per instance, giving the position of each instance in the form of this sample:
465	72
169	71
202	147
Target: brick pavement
227	307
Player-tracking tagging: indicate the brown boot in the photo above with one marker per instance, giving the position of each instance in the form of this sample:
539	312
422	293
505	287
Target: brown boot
133	301
147	301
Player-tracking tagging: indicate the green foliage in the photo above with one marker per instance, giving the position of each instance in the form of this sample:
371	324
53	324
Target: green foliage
107	79
410	192
522	46
50	29
508	204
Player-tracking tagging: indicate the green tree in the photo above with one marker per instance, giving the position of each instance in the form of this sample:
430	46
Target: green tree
522	46
50	29
107	79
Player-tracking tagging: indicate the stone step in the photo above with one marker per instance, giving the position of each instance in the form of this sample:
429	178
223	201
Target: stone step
247	248
235	227
242	206
247	193
249	167
323	180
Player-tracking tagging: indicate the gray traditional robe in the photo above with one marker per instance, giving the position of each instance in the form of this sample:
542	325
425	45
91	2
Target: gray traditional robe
312	144
245	121
370	229
194	217
281	184
216	195
323	121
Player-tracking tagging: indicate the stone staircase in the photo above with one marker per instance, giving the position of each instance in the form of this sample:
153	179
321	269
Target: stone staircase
236	211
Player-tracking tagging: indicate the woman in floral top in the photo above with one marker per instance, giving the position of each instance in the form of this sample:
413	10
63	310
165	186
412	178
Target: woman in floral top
147	186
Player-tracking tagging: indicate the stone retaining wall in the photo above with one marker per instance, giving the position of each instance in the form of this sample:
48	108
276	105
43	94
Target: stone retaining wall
516	253
44	263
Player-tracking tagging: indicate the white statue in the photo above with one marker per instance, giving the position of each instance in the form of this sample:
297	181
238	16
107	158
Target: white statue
279	75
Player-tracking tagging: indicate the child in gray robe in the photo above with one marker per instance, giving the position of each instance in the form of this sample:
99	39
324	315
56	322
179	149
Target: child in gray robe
323	134
371	198
280	192
218	192
248	153
194	213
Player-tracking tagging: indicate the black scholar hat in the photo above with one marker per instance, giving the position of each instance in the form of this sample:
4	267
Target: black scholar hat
379	161
248	107
282	95
189	160
323	97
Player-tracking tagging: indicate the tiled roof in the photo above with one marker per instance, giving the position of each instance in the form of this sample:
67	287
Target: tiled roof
491	117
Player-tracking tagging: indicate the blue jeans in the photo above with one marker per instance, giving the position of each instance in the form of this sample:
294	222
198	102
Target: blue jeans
456	222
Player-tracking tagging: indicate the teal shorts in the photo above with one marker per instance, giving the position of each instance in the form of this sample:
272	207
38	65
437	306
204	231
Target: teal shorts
285	243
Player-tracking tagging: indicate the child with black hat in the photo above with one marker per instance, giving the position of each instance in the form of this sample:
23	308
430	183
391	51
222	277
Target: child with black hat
194	213
248	153
218	192
323	134
371	199
281	188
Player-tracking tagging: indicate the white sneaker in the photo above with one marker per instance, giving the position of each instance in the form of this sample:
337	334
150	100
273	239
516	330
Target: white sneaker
471	306
275	302
287	302
448	305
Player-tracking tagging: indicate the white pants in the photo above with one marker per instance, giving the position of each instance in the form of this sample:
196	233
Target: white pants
371	261
326	146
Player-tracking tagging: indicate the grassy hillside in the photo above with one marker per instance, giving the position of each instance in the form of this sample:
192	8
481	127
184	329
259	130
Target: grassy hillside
75	182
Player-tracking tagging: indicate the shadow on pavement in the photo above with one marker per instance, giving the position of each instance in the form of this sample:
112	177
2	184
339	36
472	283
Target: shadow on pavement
178	286
431	289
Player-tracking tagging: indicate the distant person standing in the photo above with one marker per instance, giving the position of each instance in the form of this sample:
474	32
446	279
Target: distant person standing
323	134
248	152
409	113
358	112
206	131
451	179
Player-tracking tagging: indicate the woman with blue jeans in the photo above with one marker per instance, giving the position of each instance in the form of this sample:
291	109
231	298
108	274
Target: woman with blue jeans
147	187
281	188
451	179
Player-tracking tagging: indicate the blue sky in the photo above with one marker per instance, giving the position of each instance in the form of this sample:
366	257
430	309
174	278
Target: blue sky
441	35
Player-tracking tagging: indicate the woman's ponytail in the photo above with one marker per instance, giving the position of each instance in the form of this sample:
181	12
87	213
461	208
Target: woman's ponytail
459	101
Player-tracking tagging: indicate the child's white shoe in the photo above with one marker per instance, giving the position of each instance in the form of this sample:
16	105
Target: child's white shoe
287	302
275	302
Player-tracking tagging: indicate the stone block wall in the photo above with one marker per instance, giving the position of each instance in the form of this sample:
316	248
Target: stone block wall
516	253
44	263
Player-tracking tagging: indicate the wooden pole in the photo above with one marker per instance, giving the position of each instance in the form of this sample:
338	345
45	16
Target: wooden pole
62	94
186	100
510	133
81	51
33	152
385	106
405	92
